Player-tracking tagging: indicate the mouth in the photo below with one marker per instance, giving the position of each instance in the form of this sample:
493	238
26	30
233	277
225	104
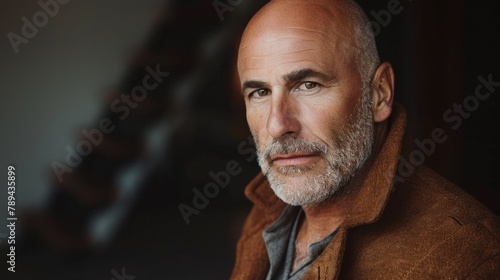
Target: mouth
294	159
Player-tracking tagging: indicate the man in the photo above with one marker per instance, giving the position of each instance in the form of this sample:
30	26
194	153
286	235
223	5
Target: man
328	135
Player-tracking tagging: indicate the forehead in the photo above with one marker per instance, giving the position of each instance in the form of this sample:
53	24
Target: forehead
288	49
304	35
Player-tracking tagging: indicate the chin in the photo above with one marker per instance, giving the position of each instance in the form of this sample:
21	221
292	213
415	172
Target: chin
304	187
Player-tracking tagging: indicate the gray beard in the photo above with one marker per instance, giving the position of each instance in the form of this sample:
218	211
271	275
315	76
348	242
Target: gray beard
314	184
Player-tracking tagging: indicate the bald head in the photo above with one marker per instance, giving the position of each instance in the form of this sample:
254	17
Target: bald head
340	24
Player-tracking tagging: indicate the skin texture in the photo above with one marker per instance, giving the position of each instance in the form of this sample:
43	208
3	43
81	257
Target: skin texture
300	80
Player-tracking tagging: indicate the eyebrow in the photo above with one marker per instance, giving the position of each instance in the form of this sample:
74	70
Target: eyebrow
253	84
303	74
290	78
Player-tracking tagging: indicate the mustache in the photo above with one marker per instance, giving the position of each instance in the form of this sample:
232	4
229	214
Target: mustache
283	146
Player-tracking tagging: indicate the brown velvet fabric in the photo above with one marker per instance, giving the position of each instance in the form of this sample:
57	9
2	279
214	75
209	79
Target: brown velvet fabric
422	228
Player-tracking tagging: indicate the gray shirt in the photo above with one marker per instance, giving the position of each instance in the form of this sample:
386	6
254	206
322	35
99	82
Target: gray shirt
280	243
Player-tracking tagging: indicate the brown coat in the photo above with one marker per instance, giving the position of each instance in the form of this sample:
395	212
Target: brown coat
422	228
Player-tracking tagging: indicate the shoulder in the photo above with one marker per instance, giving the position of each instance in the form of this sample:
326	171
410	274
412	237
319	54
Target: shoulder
460	234
442	198
431	228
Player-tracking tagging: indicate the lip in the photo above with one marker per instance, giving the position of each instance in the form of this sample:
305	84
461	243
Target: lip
294	159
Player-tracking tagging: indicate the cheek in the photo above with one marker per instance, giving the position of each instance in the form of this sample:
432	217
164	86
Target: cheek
319	122
324	118
256	120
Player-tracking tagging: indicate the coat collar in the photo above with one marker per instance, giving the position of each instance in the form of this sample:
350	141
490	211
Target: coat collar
374	194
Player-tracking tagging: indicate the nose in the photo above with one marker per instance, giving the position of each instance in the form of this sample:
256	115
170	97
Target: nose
282	119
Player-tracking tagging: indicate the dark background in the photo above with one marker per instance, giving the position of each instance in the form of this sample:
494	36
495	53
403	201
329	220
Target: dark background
119	207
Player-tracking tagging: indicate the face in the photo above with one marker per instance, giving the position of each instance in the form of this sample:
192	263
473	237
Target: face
308	111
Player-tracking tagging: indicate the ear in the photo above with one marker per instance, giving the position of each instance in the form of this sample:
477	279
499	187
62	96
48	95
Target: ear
383	92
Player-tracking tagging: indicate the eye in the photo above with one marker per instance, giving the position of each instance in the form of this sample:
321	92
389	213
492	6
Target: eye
260	93
308	86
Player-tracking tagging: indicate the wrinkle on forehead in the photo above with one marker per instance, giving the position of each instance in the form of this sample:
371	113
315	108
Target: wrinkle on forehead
280	58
